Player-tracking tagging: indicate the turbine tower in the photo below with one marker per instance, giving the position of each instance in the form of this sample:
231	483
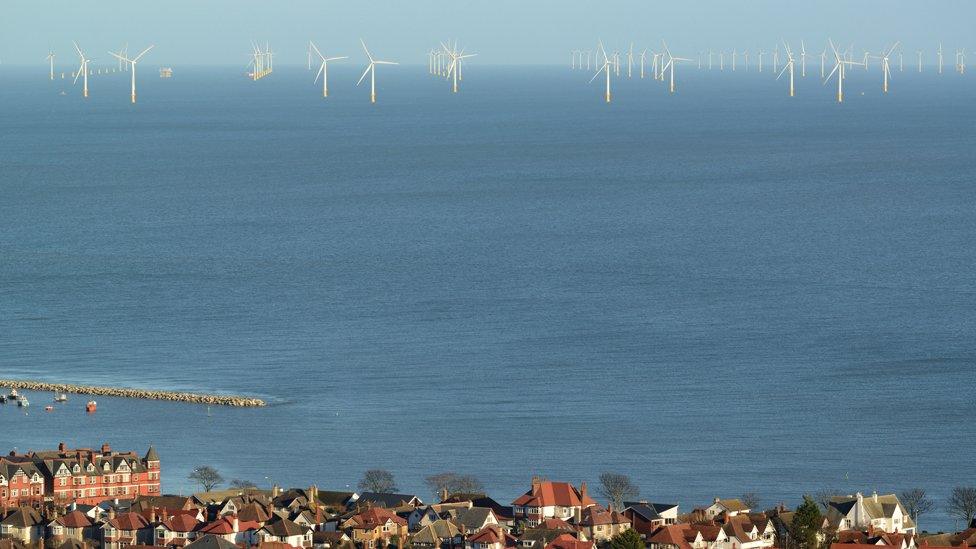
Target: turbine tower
82	71
132	63
371	71
323	68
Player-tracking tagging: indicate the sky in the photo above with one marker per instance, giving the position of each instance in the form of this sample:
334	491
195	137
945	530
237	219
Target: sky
500	31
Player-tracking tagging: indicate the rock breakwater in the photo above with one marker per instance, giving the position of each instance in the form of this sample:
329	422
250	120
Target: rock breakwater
145	394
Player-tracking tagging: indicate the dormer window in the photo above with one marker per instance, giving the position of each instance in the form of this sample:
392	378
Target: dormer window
91	468
106	467
76	468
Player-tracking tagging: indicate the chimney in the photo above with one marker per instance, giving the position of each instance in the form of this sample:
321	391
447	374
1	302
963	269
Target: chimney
106	449
111	513
62	447
444	494
582	491
275	491
237	524
874	496
715	501
535	484
152	515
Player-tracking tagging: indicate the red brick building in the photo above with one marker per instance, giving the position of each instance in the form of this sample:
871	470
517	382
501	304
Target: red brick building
82	475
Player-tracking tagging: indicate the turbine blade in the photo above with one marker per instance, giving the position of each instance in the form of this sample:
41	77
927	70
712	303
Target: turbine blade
368	68
144	52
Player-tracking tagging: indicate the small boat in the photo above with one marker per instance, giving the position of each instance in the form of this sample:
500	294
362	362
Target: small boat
13	394
61	398
3	399
91	406
23	402
49	408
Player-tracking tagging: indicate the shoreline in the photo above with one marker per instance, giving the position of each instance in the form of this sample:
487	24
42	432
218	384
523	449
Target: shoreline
143	394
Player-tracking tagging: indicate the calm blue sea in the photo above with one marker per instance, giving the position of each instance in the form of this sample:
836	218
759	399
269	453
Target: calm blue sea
720	291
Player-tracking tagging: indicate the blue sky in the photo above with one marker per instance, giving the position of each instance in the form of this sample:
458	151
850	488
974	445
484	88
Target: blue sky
501	31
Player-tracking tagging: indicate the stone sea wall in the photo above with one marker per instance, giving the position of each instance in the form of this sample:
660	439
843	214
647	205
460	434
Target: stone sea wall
146	394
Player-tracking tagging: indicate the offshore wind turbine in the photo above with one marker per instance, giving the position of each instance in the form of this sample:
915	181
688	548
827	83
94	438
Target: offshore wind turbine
886	67
50	58
643	59
940	57
133	62
672	61
455	68
606	67
840	69
788	67
919	52
803	59
82	71
630	61
323	68
371	71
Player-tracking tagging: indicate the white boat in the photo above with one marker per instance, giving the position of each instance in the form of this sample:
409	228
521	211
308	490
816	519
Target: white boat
13	395
61	398
22	402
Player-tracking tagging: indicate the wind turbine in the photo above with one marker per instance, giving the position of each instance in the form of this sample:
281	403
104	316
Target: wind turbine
455	68
734	54
82	71
643	58
50	58
761	54
133	62
886	67
630	61
371	71
788	67
823	61
607	63
323	68
803	59
671	63
940	57
919	52
840	69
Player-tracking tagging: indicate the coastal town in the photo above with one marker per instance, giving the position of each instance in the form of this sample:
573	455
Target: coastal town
86	498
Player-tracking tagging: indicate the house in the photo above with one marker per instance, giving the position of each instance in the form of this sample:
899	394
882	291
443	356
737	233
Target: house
285	531
388	501
332	540
420	517
880	513
859	546
725	507
567	541
540	536
21	481
676	536
547	499
23	524
124	530
711	534
646	517
375	527
599	524
175	531
475	519
74	525
211	542
492	537
232	529
966	538
440	534
900	541
744	532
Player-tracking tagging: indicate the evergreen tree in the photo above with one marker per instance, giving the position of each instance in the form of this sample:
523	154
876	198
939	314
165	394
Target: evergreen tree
628	539
806	525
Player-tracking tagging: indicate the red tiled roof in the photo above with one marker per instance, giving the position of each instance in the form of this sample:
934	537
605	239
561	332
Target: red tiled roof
129	522
493	534
376	516
181	523
75	519
860	546
596	515
556	524
566	541
547	493
674	534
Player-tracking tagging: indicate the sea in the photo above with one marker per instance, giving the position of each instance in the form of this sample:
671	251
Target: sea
717	291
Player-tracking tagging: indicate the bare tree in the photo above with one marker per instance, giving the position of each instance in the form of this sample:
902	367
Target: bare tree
750	500
962	504
378	480
453	483
207	477
916	502
241	484
822	497
617	487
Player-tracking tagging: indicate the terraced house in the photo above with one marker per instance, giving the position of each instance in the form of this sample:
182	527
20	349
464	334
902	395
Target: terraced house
83	476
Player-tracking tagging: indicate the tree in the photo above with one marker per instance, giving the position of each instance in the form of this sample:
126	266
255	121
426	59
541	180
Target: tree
806	525
628	539
378	480
616	488
242	484
823	496
750	500
916	502
962	504
453	483
207	477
